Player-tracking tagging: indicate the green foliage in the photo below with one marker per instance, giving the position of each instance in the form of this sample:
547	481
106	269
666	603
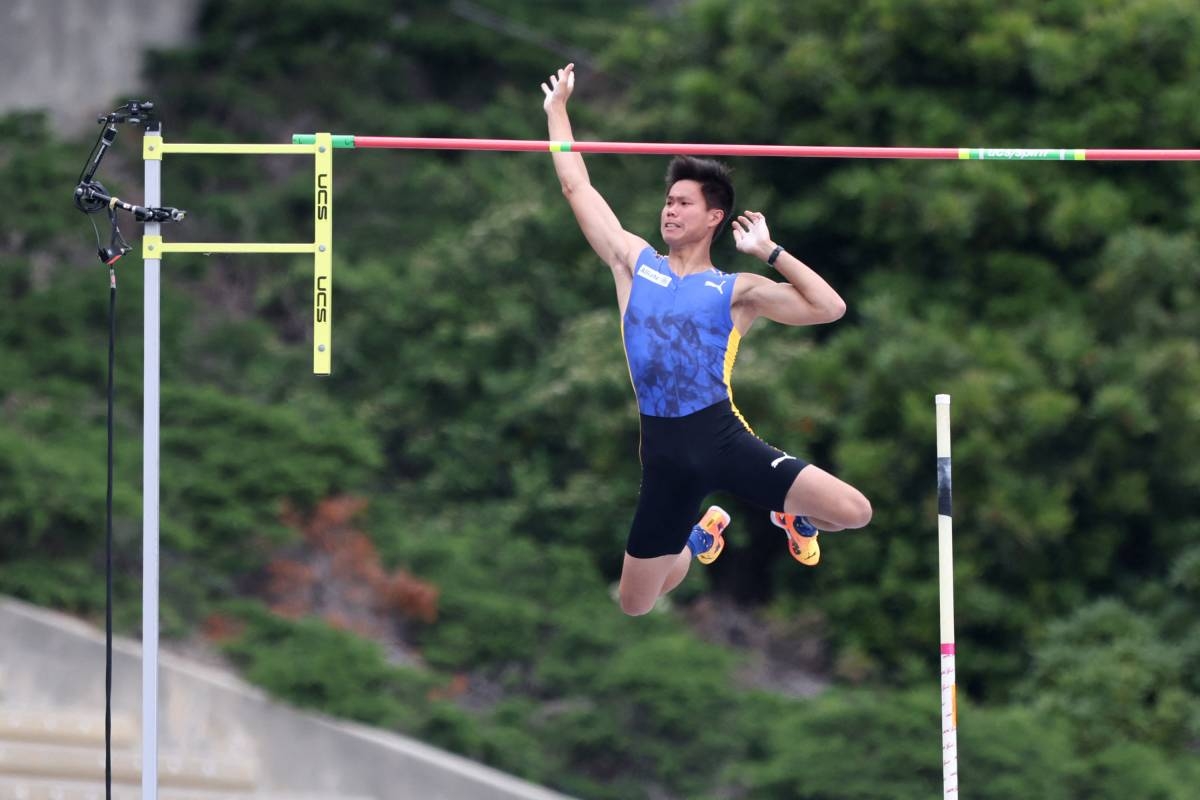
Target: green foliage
70	585
1017	751
302	452
849	745
1134	769
1107	671
32	162
864	744
312	665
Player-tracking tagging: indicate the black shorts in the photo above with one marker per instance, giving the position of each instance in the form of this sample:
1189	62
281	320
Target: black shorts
684	459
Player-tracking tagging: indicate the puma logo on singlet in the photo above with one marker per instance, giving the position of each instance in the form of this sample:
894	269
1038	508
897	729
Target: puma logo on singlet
653	275
780	460
720	287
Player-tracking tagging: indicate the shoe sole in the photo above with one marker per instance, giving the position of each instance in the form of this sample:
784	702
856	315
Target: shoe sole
715	521
797	545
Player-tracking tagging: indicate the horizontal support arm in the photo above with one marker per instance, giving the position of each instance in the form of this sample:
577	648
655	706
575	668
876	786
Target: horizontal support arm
238	149
155	247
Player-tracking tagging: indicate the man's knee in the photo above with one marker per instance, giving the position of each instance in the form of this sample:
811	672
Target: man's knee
856	510
849	509
635	605
642	581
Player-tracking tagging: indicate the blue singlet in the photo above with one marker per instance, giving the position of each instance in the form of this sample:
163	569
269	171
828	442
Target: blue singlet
679	336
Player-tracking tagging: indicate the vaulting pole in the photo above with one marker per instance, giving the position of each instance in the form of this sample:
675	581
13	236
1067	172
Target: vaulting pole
946	602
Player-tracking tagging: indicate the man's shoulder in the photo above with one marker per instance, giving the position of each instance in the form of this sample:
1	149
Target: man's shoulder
644	251
746	282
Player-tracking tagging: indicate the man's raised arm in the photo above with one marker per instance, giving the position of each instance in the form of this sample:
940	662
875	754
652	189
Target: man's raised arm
600	225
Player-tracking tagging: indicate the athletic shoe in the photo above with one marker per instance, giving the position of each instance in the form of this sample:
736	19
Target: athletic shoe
802	537
713	523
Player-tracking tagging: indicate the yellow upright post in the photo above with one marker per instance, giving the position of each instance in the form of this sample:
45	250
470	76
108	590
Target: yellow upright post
323	257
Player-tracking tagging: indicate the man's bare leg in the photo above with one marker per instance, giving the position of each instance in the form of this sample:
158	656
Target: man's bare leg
643	579
830	503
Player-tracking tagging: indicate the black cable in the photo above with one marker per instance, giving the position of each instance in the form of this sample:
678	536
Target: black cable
108	652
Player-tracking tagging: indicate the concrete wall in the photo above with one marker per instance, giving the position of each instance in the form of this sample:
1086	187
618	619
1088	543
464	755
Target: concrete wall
81	58
52	661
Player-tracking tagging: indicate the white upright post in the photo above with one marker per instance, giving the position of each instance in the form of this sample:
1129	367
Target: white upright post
946	602
150	487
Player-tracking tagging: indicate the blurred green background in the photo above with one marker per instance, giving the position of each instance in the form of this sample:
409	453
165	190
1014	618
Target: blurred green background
428	540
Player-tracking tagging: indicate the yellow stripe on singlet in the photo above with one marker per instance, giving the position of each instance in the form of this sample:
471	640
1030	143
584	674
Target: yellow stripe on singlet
731	350
629	370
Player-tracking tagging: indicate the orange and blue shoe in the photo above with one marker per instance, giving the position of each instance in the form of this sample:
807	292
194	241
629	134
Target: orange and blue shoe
802	537
707	539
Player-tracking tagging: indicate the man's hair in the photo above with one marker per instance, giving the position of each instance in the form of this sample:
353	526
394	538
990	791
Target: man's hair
714	180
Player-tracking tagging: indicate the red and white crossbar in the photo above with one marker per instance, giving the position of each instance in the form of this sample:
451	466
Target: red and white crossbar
348	141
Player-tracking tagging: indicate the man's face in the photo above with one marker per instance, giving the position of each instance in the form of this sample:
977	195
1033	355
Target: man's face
686	216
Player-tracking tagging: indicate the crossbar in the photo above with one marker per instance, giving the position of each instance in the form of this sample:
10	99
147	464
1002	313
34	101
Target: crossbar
347	141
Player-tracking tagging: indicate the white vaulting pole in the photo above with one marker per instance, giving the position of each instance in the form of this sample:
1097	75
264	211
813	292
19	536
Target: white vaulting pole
946	602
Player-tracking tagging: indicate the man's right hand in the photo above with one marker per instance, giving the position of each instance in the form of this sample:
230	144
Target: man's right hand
560	87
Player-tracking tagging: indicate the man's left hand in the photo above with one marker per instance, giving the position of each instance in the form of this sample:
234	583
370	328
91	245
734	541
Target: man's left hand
751	235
